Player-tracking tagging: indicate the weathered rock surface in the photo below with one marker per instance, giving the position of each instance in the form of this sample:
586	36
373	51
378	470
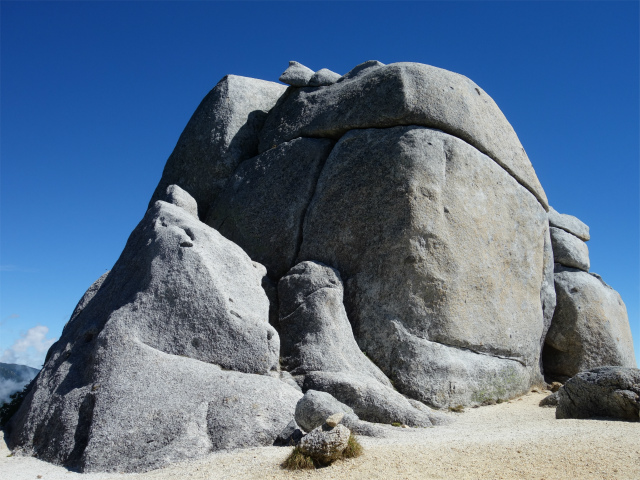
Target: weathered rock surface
135	381
570	224
569	250
601	392
296	75
221	133
590	327
178	197
323	78
315	407
361	69
318	344
316	333
428	253
263	205
325	443
403	94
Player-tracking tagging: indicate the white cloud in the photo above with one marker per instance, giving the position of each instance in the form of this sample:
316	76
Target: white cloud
30	349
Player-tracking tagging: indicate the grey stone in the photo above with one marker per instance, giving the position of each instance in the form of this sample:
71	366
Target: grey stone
323	78
334	419
135	381
88	295
290	436
569	223
372	401
590	327
325	444
360	69
550	400
315	407
612	392
404	94
316	333
221	133
569	250
178	197
428	232
263	205
296	75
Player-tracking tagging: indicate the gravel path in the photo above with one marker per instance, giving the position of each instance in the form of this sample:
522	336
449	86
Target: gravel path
514	440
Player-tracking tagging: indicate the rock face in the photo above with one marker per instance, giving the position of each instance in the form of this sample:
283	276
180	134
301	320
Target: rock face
410	263
601	392
403	94
590	327
221	133
428	254
569	250
318	346
135	380
263	204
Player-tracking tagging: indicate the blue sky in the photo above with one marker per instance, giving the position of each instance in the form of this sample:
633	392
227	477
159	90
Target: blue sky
93	97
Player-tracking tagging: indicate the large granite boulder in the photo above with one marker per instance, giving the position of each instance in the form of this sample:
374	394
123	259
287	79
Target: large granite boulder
222	132
263	205
318	347
168	359
443	255
590	327
403	94
601	392
569	250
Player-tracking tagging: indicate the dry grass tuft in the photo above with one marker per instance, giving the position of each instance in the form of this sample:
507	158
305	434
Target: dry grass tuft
457	409
354	449
298	461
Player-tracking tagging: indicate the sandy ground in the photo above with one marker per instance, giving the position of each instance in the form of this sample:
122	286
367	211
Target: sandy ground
514	440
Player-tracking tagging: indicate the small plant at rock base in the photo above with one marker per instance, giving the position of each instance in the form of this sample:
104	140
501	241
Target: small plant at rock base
457	409
354	449
396	424
298	461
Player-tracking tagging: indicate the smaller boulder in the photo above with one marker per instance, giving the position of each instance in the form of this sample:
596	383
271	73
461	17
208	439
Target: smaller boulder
601	392
325	444
180	198
549	400
334	419
570	224
324	78
569	250
296	75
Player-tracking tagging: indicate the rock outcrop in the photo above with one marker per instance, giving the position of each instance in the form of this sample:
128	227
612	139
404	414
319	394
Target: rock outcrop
135	381
601	392
590	326
377	240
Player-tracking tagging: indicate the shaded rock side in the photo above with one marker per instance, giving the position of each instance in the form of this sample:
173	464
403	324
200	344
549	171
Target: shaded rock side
570	224
590	327
435	240
222	132
263	205
135	381
547	290
318	345
601	392
403	94
569	250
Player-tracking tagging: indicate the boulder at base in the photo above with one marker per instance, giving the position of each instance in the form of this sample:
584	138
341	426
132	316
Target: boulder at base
442	253
135	381
590	327
222	132
601	392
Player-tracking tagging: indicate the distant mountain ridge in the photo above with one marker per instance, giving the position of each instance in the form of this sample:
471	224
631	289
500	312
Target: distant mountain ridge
13	377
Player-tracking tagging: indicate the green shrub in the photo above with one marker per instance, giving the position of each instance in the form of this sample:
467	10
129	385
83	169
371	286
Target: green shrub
354	449
298	460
